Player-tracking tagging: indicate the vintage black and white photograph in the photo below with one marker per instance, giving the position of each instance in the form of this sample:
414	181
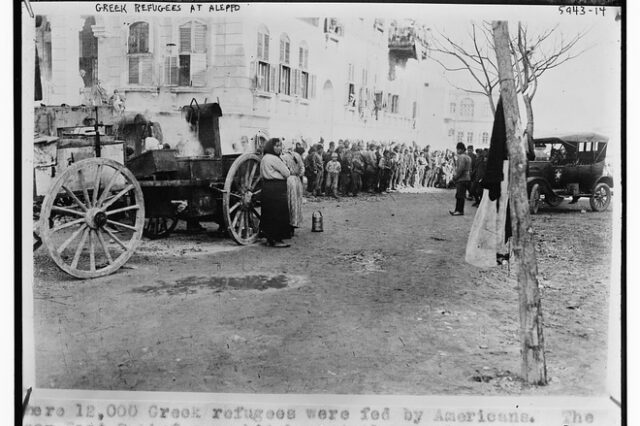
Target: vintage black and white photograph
388	199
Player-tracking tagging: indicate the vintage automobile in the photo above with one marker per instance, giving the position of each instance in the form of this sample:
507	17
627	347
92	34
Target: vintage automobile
570	166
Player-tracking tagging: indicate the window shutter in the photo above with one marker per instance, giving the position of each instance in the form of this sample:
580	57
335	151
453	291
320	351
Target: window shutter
296	83
273	74
306	58
198	69
171	70
260	46
301	58
287	46
134	70
199	37
281	50
266	47
146	71
253	75
185	38
313	86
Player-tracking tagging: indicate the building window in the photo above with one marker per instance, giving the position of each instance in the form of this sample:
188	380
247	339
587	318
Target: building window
263	76
485	138
452	107
333	26
415	109
263	44
304	84
285	69
394	104
451	132
285	80
466	108
469	137
138	54
192	57
265	72
351	86
460	136
303	56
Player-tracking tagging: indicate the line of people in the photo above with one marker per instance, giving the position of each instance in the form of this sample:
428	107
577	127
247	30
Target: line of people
349	168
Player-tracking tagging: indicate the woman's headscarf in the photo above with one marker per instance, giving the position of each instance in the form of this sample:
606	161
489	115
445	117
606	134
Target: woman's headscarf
268	147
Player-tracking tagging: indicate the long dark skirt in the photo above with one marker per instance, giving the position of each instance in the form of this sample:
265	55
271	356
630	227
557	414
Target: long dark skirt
274	220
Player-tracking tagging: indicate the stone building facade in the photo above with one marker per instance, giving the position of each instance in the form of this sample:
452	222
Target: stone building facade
293	78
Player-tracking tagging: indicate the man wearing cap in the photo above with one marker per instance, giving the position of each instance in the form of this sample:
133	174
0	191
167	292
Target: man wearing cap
462	179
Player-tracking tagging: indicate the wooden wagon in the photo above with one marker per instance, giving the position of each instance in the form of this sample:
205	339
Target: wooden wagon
95	205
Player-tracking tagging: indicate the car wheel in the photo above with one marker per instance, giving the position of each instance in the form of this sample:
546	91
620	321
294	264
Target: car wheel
601	197
534	199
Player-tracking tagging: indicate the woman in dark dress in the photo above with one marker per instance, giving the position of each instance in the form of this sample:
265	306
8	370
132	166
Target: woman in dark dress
274	221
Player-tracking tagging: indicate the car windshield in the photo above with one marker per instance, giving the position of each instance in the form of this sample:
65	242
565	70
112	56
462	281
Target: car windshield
545	151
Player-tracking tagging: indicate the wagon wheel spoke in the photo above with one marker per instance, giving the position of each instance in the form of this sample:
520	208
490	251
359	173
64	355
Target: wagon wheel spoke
76	199
251	174
123	225
235	220
255	212
116	239
257	192
241	223
104	247
123	209
68	225
235	195
76	256
255	184
68	211
92	254
96	184
248	225
234	207
107	188
71	238
118	196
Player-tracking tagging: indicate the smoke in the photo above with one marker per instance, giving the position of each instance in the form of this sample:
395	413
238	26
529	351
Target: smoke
177	132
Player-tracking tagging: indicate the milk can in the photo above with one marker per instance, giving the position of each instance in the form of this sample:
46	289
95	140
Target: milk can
316	222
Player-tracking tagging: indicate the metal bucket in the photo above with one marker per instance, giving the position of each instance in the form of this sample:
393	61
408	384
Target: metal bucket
316	222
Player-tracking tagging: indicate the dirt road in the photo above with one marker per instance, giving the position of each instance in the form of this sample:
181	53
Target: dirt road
381	302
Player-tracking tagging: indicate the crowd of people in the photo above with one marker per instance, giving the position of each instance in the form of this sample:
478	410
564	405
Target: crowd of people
348	168
351	167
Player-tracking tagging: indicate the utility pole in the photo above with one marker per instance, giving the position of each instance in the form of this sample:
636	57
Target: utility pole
533	366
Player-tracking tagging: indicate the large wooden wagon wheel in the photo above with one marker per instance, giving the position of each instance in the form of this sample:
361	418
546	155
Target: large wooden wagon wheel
92	218
241	199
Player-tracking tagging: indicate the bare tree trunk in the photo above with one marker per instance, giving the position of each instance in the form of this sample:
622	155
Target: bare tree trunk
492	104
533	367
529	110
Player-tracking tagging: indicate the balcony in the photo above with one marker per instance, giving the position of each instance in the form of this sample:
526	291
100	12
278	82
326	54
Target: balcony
407	42
333	29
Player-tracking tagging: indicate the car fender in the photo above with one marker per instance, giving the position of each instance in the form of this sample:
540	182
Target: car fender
604	179
544	185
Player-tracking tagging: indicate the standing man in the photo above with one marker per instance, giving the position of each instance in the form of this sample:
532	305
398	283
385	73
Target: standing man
461	178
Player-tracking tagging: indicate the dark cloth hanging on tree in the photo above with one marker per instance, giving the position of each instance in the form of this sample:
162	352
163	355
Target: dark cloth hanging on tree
497	154
38	86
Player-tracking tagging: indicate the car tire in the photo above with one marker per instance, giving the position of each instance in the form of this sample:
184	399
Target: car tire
534	199
601	197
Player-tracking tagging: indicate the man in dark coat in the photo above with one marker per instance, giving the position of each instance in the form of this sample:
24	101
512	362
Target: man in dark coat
461	179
